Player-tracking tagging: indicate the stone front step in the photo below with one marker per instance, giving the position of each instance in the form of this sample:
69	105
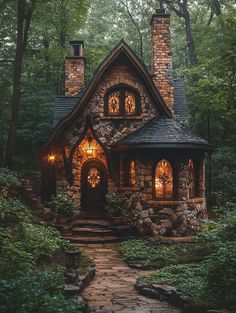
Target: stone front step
94	239
92	231
92	223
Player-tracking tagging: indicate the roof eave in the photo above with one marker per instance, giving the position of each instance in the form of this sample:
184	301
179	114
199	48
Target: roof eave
123	147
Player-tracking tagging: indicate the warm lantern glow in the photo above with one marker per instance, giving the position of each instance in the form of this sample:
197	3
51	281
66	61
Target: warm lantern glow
130	105
90	150
132	173
51	158
164	180
93	177
113	103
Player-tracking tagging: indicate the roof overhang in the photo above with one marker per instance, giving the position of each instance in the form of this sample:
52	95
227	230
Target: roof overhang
157	146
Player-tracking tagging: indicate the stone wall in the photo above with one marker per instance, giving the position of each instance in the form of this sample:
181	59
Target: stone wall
178	217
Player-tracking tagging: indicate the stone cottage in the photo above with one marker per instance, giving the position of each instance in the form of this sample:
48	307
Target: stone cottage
123	133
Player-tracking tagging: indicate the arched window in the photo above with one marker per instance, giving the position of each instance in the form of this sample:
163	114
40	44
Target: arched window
192	178
122	100
114	103
164	180
132	173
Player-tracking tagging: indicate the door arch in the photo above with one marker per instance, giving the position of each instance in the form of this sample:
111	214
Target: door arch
93	188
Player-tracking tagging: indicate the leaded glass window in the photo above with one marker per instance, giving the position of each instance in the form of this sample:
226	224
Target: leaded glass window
132	173
122	101
93	177
114	103
164	180
130	103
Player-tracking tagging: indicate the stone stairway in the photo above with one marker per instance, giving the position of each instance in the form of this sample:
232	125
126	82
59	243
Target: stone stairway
92	230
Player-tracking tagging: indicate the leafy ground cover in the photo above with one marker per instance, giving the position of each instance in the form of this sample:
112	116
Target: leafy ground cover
158	255
211	281
29	272
142	250
189	278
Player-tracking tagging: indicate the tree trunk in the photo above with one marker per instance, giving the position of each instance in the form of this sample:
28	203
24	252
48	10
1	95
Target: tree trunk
217	8
189	37
180	8
23	23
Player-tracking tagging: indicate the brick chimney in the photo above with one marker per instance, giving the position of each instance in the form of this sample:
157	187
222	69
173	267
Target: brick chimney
162	56
74	68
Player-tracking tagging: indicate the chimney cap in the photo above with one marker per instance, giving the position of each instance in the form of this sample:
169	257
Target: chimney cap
160	13
76	42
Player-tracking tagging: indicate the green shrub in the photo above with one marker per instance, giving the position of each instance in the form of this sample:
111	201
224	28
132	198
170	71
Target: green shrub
143	250
13	211
35	293
39	240
8	179
189	278
220	267
23	246
222	229
115	205
63	205
14	260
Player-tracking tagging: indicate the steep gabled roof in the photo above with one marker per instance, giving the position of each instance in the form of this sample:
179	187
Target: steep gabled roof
163	132
121	49
62	107
180	103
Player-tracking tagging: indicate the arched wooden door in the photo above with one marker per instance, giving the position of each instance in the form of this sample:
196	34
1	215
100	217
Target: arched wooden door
93	188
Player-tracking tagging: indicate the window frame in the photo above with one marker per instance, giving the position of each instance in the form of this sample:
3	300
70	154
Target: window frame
122	88
196	178
175	180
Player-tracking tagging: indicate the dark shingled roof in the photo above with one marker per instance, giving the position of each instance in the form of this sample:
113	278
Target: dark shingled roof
163	131
64	105
180	103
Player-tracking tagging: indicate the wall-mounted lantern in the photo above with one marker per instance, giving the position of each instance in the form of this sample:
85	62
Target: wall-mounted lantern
51	158
90	150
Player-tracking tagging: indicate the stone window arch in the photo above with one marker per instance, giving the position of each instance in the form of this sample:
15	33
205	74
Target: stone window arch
164	180
122	100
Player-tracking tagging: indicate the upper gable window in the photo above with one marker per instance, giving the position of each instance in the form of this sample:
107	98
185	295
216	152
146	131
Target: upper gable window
114	103
122	100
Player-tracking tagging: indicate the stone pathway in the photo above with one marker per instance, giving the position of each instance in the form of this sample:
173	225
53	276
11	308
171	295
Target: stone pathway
112	289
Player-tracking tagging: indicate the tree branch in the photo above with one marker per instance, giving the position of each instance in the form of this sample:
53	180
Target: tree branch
136	26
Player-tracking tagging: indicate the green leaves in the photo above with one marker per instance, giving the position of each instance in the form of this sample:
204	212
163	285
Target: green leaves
63	205
189	278
143	250
38	293
39	240
8	179
115	204
13	211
